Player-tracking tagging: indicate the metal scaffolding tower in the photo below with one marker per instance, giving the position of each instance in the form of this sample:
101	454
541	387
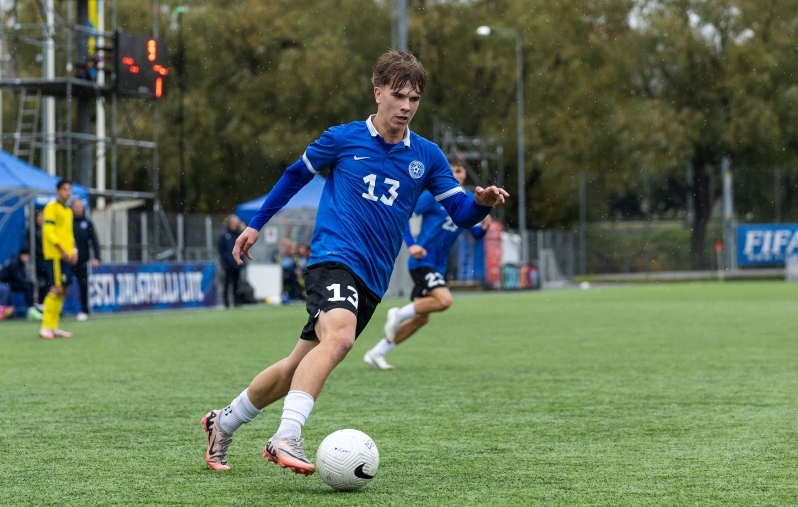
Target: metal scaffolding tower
76	87
70	43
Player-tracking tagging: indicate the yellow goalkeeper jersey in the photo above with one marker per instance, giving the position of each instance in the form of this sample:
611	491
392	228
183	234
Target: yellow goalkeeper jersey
57	230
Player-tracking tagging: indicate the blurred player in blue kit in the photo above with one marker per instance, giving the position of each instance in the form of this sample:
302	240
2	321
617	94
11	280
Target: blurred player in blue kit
429	256
378	171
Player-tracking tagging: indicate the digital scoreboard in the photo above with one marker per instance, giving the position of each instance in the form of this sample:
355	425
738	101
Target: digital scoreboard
142	65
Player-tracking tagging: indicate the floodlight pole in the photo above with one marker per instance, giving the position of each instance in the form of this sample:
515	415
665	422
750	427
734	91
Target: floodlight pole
399	25
49	102
83	156
100	113
156	202
181	147
519	61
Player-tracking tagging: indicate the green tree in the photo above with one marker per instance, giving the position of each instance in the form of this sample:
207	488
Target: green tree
719	67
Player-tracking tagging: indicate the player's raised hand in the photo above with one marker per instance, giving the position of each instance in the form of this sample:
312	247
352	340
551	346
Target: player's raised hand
417	251
244	243
491	196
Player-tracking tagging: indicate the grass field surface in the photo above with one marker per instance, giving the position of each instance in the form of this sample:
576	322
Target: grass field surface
683	394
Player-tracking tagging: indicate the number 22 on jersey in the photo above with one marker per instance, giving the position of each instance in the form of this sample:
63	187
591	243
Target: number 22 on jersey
449	225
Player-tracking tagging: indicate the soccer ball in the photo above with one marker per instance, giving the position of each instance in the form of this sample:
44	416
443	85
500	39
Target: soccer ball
347	460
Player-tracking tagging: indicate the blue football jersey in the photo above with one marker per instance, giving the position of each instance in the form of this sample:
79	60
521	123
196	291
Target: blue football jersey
438	234
369	195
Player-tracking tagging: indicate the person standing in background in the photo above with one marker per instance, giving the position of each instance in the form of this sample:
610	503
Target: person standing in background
83	229
232	271
41	266
60	254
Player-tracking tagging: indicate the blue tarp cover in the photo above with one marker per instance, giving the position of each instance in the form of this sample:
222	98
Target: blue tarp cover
14	173
307	197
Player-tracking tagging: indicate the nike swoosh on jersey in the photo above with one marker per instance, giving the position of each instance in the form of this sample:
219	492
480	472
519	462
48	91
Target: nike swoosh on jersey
360	158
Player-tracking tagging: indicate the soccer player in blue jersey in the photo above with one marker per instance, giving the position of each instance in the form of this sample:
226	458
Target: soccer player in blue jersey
378	170
429	256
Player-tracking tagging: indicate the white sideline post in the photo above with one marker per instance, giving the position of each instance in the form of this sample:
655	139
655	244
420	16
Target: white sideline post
180	237
144	239
208	236
791	268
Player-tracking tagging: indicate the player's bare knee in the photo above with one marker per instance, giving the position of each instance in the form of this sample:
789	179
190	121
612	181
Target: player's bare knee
422	319
339	343
444	300
344	344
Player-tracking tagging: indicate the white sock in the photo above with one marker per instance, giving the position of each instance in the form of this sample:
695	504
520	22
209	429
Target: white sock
296	409
240	411
383	347
406	312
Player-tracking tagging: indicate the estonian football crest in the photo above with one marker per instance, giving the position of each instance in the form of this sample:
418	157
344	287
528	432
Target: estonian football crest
416	169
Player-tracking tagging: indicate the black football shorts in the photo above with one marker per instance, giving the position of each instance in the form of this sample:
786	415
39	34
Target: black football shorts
425	279
332	285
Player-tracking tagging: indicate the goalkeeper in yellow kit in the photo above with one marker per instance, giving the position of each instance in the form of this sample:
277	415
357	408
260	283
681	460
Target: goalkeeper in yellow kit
58	247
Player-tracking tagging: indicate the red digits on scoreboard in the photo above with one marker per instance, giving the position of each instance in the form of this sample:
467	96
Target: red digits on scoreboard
142	66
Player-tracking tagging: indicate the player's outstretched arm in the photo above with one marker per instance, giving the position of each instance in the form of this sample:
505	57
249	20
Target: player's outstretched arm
243	244
467	212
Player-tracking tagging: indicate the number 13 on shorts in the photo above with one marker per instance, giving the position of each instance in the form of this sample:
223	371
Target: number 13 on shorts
336	290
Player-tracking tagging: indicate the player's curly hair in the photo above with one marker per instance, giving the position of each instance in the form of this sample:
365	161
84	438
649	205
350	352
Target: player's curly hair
397	69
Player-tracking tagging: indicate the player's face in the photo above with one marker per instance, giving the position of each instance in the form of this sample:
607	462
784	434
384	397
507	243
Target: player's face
64	193
459	173
396	107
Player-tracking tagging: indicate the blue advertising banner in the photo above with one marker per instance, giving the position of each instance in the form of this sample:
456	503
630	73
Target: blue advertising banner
127	287
766	244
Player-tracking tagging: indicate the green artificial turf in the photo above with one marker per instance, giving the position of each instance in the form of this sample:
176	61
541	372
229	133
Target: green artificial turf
683	394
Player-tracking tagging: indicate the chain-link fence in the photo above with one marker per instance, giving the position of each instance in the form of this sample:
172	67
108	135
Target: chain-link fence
642	247
609	247
145	236
555	256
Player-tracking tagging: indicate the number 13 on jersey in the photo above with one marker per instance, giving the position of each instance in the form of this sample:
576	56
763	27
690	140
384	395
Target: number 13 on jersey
371	180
